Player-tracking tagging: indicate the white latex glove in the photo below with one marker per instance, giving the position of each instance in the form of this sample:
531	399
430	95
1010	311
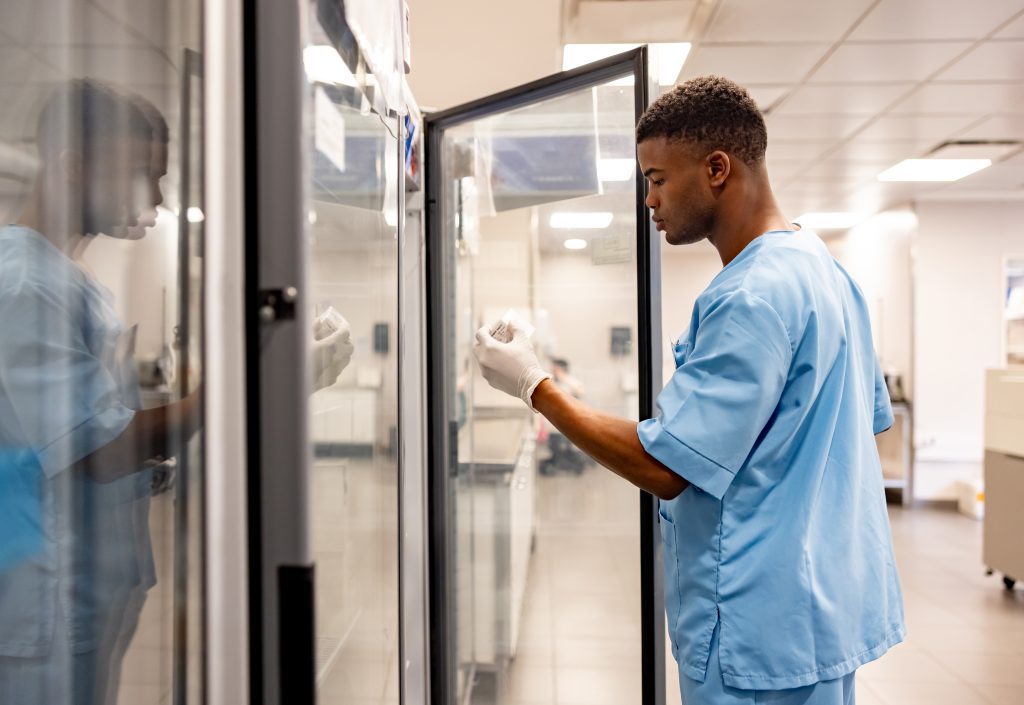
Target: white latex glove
510	367
331	355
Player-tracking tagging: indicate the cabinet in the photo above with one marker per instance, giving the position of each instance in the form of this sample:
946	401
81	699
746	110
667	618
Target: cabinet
1004	473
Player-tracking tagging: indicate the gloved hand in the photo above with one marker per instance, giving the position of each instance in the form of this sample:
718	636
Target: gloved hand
331	355
510	367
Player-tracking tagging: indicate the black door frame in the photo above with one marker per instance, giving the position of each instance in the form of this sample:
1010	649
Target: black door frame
441	439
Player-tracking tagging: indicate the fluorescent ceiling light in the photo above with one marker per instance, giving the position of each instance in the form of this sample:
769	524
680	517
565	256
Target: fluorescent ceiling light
667	58
581	221
615	169
575	243
324	65
933	169
829	221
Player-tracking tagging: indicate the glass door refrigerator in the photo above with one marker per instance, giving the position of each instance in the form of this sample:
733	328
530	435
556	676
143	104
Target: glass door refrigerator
414	536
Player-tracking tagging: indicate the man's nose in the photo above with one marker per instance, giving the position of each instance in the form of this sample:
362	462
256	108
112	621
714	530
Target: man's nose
651	200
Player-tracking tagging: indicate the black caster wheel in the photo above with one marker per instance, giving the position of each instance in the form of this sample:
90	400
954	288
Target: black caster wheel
1009	582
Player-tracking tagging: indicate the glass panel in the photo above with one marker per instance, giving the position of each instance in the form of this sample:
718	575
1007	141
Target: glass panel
540	203
354	409
101	476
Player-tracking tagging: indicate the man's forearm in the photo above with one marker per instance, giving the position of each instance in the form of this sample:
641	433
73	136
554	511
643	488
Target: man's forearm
609	440
151	433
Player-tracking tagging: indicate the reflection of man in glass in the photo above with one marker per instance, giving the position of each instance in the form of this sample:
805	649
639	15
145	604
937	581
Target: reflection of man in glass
74	442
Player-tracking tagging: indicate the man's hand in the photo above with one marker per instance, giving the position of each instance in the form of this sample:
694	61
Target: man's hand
510	367
331	355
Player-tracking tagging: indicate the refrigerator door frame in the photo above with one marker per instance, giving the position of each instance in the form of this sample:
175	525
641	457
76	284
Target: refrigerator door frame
226	624
441	619
282	660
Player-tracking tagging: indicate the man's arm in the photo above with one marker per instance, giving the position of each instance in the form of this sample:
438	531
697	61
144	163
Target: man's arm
151	433
609	440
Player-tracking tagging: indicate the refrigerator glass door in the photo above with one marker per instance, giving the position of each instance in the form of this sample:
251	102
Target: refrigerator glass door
102	472
543	558
352	302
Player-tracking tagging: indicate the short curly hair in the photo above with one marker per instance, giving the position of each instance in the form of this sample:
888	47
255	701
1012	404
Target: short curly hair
711	112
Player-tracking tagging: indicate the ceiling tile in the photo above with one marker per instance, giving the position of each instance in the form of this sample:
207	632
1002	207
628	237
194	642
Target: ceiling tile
21	67
801	188
1014	30
766	95
842	171
813	128
874	196
883	62
43	22
805	198
992	61
755	63
857	150
922	129
795	151
919	19
854	99
964	98
783	20
996	127
122	66
781	169
1008	175
161	23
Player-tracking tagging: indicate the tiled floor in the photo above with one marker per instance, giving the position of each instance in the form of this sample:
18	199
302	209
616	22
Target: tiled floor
965	643
580	640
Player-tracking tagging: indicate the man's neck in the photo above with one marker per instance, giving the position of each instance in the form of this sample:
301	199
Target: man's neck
35	216
738	227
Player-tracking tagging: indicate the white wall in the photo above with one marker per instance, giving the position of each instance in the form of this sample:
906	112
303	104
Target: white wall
358	278
958	292
140	274
877	254
685	273
583	301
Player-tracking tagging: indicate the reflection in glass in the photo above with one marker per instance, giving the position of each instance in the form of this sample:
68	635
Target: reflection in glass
546	543
353	274
100	372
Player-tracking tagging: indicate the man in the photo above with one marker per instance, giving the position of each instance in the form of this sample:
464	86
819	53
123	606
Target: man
779	570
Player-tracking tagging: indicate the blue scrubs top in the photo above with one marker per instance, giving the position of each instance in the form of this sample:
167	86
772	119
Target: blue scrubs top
75	548
783	536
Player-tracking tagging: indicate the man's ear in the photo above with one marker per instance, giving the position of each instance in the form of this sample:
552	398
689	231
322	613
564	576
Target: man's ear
718	167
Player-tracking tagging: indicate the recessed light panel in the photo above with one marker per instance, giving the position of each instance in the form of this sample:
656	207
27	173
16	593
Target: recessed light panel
933	169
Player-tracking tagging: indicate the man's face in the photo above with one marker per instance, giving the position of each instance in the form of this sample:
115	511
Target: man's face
679	196
122	187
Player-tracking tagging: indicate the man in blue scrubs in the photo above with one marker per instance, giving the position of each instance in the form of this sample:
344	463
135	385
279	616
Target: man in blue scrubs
779	568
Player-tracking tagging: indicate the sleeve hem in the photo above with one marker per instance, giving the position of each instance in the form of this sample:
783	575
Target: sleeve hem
104	427
700	471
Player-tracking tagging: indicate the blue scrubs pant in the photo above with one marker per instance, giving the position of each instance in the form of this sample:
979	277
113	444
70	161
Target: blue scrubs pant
713	691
